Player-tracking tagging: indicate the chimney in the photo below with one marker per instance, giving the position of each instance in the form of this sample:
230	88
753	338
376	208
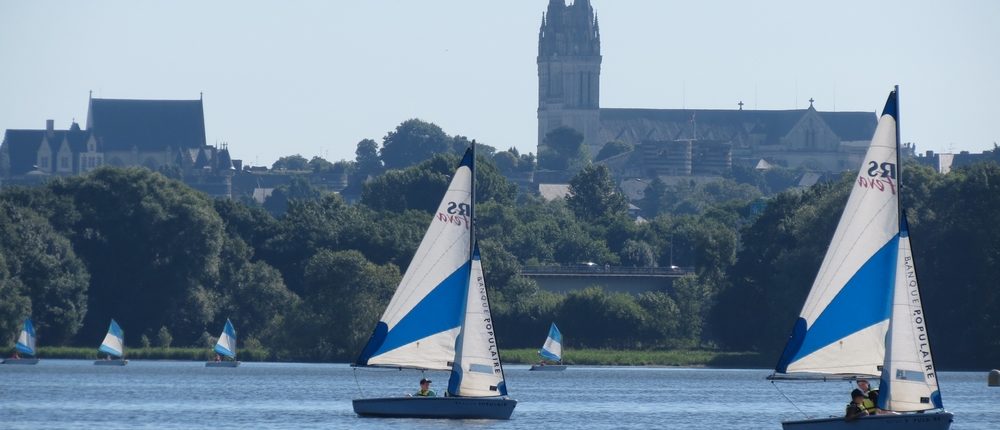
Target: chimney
50	125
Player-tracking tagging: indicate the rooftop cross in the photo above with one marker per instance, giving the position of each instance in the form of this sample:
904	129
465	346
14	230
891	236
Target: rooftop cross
811	101
741	104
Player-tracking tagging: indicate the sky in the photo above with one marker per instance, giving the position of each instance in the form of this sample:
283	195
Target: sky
315	77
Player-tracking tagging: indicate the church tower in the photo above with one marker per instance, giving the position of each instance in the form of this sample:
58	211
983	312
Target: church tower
569	71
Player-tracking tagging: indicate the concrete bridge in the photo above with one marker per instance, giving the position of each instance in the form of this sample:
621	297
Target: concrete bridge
632	280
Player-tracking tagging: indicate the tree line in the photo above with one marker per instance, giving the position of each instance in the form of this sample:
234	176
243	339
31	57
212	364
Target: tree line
308	278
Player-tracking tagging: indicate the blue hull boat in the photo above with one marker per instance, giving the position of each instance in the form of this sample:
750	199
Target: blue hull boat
915	421
489	408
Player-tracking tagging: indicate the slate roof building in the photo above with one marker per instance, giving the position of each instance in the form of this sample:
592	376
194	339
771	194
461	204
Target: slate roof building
680	141
167	135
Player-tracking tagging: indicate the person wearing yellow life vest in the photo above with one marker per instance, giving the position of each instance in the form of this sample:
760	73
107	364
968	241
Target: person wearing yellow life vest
425	389
871	396
855	409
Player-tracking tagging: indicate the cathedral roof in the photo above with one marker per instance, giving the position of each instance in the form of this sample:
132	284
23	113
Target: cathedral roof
150	125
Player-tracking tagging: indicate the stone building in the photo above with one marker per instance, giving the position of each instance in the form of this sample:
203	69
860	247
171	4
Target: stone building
163	135
694	141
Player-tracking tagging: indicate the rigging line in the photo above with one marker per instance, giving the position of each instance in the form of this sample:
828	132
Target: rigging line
360	392
789	400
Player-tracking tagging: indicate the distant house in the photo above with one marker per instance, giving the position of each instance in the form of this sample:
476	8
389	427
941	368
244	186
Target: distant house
164	135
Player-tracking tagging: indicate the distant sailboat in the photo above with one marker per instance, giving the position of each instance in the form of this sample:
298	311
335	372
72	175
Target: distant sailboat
25	345
114	346
552	351
225	347
439	319
863	317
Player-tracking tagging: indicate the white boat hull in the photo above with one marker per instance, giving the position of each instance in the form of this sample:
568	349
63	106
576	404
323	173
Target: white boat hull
549	367
21	361
118	362
491	408
223	364
909	421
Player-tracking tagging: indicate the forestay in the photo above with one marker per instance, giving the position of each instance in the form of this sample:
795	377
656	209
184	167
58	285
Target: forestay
552	349
842	326
26	339
114	341
477	371
227	341
421	324
909	380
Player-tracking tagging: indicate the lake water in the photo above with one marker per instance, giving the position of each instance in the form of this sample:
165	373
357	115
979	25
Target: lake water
72	394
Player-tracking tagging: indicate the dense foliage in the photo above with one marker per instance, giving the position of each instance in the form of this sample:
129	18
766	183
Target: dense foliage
308	275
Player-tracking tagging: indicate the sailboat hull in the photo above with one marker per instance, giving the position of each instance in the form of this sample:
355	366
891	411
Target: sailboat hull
549	367
911	421
223	364
21	361
490	408
117	362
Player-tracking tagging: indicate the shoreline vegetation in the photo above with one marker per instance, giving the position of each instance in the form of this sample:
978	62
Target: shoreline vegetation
584	357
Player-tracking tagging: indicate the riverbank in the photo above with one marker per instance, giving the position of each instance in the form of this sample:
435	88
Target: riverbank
678	358
152	353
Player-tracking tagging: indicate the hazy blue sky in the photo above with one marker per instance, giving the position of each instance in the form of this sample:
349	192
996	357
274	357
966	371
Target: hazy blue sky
315	77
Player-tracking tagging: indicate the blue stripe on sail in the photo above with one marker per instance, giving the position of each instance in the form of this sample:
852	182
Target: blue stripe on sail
109	350
892	106
863	302
555	334
502	388
229	329
884	392
29	328
224	351
549	355
454	381
115	330
24	349
936	399
440	310
466	159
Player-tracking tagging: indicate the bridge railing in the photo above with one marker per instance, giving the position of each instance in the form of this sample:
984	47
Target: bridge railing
605	270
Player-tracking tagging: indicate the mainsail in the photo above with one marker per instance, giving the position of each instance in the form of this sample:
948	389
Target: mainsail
26	340
227	341
477	371
114	341
841	329
909	381
422	322
552	349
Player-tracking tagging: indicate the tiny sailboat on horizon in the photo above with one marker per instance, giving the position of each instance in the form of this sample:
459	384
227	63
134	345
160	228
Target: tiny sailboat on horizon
225	348
552	351
439	319
114	346
863	316
25	345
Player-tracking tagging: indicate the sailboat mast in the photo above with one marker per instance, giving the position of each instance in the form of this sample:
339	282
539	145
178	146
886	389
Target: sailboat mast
899	165
472	204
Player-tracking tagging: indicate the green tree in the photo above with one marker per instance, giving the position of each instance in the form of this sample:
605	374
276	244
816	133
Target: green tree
319	165
594	195
638	254
602	320
15	304
563	150
411	142
298	188
291	162
163	338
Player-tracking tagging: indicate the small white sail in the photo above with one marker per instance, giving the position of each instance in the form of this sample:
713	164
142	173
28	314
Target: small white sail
909	380
114	341
477	371
26	339
841	329
422	321
227	341
552	349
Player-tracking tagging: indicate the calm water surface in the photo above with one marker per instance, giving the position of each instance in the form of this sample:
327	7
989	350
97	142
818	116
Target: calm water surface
72	394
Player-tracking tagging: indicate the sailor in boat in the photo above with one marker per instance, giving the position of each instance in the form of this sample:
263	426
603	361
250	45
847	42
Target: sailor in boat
871	396
856	408
218	358
425	389
15	356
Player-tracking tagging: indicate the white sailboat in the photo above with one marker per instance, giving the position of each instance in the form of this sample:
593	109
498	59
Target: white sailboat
551	350
863	317
25	345
225	348
114	346
439	319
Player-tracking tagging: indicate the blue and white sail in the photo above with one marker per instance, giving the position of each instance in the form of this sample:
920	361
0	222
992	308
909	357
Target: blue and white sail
227	341
842	327
909	378
421	324
552	349
114	341
477	371
26	339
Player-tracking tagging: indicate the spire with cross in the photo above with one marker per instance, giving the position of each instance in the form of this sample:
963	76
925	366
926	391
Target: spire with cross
741	104
811	102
